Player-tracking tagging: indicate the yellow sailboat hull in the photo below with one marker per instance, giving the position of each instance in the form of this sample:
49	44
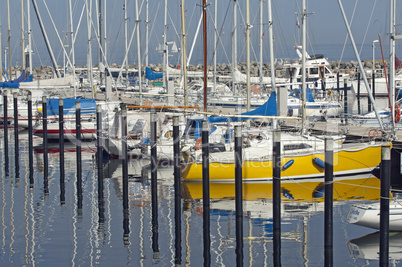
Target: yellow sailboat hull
348	162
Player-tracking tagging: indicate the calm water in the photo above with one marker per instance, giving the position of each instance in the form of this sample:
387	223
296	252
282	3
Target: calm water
36	230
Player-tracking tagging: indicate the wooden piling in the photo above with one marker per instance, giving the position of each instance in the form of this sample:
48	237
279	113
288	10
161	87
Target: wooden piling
78	153
16	142
30	141
61	152
177	192
276	196
206	193
239	195
385	177
45	155
328	202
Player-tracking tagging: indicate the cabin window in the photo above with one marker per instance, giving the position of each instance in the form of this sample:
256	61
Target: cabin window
296	146
314	71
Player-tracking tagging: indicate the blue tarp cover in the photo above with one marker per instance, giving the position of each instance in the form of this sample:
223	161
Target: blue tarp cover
15	83
150	75
87	106
267	109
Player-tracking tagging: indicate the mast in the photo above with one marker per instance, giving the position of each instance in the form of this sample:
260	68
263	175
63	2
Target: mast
165	82
234	47
261	43
125	37
215	39
72	45
137	20
22	35
146	35
204	23
392	61
1	60
248	54
184	53
89	51
49	48
304	29
29	39
272	58
9	39
100	38
105	29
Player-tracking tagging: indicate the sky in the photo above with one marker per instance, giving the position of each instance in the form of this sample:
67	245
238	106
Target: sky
325	26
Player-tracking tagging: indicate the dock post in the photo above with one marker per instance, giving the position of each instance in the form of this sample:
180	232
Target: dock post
5	123
99	155
124	155
276	196
385	177
358	93
206	193
177	193
30	141
99	151
61	151
45	155
16	143
239	194
328	205
154	186
78	153
373	84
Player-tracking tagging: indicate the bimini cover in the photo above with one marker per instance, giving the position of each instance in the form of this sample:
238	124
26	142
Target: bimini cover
150	75
267	109
87	106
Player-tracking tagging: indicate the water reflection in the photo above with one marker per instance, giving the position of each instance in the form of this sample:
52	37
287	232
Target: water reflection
367	247
58	235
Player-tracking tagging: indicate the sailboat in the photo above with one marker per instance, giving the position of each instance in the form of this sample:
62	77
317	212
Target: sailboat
302	157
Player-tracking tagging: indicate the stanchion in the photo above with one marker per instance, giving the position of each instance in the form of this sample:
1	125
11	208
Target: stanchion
177	193
206	193
78	153
16	143
61	151
276	195
5	123
45	156
328	205
345	100
358	93
239	195
30	141
154	186
384	204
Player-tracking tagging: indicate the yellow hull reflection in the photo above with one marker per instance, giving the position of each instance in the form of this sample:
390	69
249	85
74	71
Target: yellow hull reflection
292	191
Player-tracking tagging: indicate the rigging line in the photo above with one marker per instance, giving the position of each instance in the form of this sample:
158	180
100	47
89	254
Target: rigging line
219	34
346	38
367	28
151	32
